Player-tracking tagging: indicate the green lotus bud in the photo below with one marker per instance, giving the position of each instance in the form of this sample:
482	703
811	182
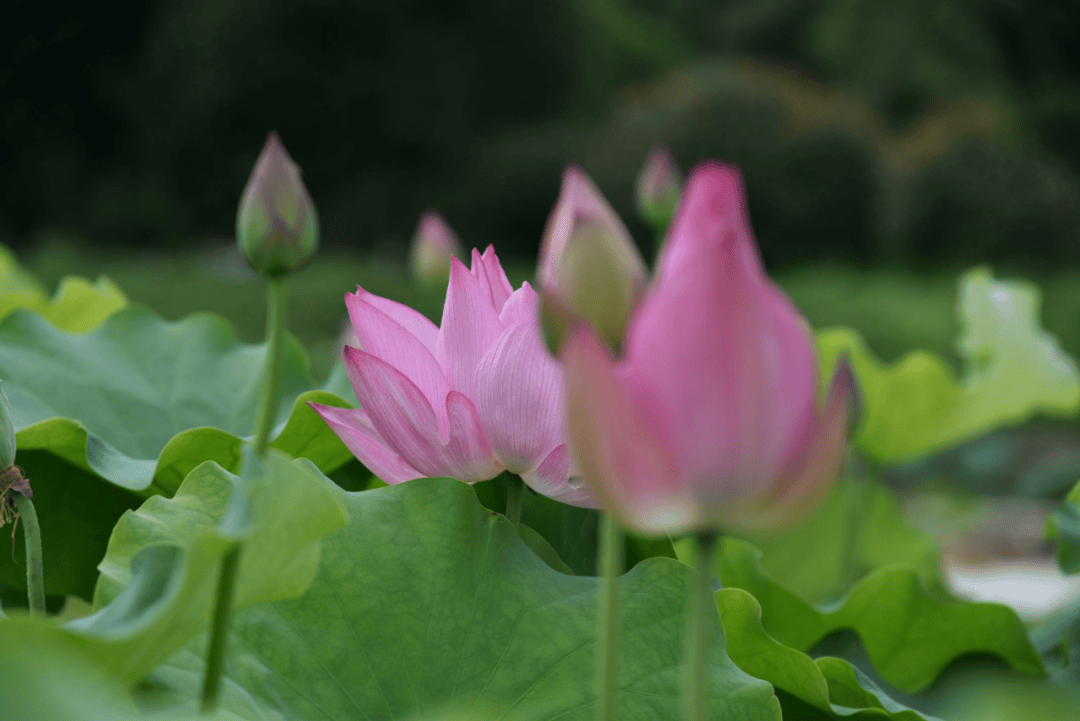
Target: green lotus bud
659	185
432	247
276	226
7	433
589	268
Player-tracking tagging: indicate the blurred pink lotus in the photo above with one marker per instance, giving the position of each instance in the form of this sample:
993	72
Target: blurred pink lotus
433	244
709	422
468	400
589	267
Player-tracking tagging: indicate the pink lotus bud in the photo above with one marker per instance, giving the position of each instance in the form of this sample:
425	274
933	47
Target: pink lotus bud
710	420
659	185
470	399
276	225
432	247
589	266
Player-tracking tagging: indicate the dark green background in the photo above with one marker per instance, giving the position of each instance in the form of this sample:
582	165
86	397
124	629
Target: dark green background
137	127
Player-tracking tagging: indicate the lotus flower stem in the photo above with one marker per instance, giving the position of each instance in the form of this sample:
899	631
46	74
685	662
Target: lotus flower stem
275	334
515	498
702	614
610	560
35	575
215	657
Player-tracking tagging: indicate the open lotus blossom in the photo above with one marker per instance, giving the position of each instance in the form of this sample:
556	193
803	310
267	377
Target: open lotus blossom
709	421
589	267
470	399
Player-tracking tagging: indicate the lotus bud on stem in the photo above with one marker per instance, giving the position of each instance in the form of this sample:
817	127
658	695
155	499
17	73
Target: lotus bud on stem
709	419
277	229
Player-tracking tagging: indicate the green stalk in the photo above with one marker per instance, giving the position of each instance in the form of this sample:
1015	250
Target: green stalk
35	574
610	560
275	335
702	615
515	498
215	657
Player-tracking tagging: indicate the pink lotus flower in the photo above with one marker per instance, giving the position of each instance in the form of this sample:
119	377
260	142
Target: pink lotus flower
589	266
434	243
469	400
709	421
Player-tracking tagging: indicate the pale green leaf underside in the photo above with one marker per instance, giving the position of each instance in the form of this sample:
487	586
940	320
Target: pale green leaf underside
828	684
1013	369
77	306
857	529
909	635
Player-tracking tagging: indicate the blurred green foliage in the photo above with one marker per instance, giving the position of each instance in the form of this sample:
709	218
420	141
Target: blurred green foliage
932	130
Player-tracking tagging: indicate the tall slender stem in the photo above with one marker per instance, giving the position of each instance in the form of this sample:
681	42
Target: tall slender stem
611	561
275	336
219	634
230	562
702	614
515	499
35	568
851	483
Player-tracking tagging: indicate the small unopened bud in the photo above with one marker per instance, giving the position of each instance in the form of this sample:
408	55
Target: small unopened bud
590	269
659	186
432	247
276	226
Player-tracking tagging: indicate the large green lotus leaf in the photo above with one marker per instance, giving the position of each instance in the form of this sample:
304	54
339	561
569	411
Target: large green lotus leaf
1063	526
77	306
49	670
140	401
909	634
76	512
859	528
830	685
159	574
45	676
1014	369
428	600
